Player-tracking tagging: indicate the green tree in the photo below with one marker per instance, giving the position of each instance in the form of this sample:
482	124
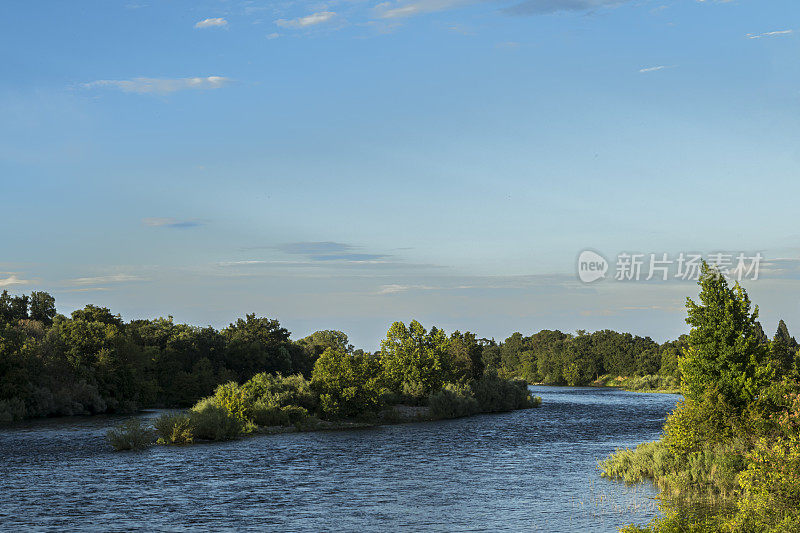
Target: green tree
464	359
723	348
43	307
257	345
412	359
348	384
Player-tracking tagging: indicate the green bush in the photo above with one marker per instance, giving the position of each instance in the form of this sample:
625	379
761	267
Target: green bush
132	434
231	397
453	401
174	428
265	414
211	421
495	394
274	389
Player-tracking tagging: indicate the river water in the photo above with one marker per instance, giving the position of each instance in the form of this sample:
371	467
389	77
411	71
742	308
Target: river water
531	470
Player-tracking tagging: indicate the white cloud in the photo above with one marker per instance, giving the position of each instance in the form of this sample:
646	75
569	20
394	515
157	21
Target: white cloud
309	20
273	36
114	278
12	280
212	23
160	85
768	34
387	11
653	69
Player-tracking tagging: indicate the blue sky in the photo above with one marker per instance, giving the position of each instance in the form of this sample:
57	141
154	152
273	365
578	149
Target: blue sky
346	164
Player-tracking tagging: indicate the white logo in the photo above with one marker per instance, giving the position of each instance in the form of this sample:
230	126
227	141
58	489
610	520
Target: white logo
591	266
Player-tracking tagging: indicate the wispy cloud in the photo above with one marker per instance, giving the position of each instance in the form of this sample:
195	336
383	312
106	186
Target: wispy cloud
309	20
404	9
397	288
169	222
540	7
159	85
390	10
328	251
273	35
654	69
12	279
768	34
113	278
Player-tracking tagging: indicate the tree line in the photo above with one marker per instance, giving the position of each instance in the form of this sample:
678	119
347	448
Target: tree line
94	362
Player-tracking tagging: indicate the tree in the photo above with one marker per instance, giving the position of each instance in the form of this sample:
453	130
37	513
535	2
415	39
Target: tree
93	313
43	307
783	349
329	338
464	357
348	384
257	345
413	359
19	307
782	335
723	347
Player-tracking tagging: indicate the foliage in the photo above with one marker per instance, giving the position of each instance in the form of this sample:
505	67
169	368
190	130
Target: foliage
174	428
133	434
732	447
413	359
453	401
348	384
266	414
211	421
280	391
723	347
495	394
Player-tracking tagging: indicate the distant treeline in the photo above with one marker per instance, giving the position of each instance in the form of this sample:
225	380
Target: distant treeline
94	362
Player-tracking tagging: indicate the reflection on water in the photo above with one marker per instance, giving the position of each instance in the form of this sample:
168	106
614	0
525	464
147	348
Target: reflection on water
532	470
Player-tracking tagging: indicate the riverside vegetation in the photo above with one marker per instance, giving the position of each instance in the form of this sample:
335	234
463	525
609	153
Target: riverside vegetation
729	457
94	362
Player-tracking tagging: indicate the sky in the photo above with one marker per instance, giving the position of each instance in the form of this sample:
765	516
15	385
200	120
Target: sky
346	164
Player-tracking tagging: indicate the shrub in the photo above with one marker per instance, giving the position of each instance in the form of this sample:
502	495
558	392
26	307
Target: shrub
495	394
274	389
413	392
453	401
699	425
132	434
174	428
211	421
265	414
231	397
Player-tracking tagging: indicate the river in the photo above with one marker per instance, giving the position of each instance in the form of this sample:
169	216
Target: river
531	470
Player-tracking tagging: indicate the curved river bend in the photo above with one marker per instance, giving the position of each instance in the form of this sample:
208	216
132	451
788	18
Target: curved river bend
532	470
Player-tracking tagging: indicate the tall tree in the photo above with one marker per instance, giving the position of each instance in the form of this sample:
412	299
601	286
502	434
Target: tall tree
43	307
412	358
723	348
